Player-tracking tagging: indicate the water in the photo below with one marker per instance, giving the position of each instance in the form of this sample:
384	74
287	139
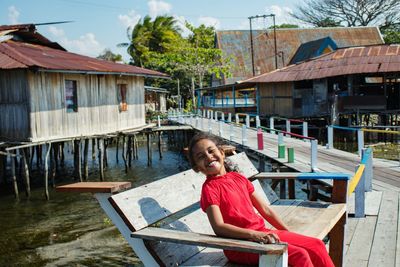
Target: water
71	229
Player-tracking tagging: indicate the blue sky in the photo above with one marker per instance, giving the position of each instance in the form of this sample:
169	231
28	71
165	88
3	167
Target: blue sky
101	24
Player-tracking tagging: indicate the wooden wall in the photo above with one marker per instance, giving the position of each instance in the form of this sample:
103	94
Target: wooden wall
98	105
14	105
276	99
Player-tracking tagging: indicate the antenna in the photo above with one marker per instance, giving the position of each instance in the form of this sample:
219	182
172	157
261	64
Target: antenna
55	22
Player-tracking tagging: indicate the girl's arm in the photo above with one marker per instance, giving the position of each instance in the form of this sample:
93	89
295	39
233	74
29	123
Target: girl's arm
228	230
267	213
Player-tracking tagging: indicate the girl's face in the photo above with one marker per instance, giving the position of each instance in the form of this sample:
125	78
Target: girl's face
208	158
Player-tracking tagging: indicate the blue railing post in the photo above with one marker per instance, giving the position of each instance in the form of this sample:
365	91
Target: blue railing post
314	155
271	124
305	129
367	159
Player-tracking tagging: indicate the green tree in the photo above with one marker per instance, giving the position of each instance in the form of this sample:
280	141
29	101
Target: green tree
158	35
107	54
391	35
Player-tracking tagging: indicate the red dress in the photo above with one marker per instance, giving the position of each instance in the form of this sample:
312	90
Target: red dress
231	192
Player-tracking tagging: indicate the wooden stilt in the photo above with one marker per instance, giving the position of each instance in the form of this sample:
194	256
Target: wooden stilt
24	153
53	165
38	156
94	148
56	156
32	155
136	146
101	157
149	156
117	148
2	170
129	151
46	172
77	160
105	153
62	155
85	160
14	178
123	154
160	144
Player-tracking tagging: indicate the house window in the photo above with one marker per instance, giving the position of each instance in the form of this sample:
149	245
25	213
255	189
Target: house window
123	106
71	96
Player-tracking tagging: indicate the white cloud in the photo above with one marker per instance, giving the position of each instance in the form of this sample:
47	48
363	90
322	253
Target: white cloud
282	14
256	24
13	15
129	20
158	7
85	44
210	21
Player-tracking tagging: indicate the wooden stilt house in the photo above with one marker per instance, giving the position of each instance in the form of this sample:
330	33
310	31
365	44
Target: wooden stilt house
47	93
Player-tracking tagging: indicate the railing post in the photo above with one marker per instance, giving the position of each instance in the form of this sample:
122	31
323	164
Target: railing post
360	141
258	124
280	139
314	151
211	114
271	124
209	125
191	119
359	205
158	121
229	117
288	126
223	116
305	128
244	135
204	113
220	128
247	120
197	122
231	135
216	115
237	118
330	137
202	123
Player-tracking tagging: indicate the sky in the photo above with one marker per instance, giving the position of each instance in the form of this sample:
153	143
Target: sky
100	24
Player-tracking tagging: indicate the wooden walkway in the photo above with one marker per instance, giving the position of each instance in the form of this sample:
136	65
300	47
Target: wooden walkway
371	241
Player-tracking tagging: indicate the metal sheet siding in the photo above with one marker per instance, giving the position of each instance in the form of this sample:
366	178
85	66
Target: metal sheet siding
236	45
370	59
31	55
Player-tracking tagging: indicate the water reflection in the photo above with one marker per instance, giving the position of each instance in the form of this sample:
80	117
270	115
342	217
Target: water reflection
71	229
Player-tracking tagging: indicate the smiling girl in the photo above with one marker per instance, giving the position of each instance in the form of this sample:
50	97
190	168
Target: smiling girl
229	200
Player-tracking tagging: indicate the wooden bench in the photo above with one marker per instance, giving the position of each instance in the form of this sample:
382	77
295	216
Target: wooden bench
164	225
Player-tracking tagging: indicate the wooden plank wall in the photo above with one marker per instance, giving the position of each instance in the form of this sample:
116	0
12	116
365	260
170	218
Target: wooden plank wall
276	99
98	106
14	105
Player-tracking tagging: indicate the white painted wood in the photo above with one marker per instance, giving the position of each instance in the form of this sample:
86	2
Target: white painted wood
305	129
314	154
274	260
360	141
330	138
136	244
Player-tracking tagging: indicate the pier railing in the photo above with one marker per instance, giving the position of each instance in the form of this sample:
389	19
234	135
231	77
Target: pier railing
359	183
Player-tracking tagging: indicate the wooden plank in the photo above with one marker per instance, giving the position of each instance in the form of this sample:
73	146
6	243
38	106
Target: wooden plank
384	243
158	234
360	245
208	257
350	229
94	187
372	203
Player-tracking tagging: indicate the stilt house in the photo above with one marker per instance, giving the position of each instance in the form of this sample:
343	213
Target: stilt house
47	93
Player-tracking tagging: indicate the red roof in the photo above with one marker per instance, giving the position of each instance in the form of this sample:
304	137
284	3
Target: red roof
344	61
26	55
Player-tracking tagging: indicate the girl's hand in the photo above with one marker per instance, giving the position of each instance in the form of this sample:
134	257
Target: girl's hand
264	238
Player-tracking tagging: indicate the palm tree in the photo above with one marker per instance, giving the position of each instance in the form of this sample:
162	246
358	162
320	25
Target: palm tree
147	36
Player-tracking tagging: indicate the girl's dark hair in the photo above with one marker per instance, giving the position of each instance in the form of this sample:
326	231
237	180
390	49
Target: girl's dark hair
195	139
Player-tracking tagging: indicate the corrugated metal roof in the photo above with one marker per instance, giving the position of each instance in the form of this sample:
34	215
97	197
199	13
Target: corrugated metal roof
25	55
236	45
344	61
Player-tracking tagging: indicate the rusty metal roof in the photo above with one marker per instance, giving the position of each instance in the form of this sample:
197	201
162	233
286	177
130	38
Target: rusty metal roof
344	61
33	56
236	45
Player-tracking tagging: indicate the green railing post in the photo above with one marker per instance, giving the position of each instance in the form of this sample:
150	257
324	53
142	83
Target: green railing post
290	152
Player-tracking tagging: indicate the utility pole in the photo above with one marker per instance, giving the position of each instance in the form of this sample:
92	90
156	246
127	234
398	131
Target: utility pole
251	41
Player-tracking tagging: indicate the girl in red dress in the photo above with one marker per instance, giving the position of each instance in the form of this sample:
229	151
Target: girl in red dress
229	200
